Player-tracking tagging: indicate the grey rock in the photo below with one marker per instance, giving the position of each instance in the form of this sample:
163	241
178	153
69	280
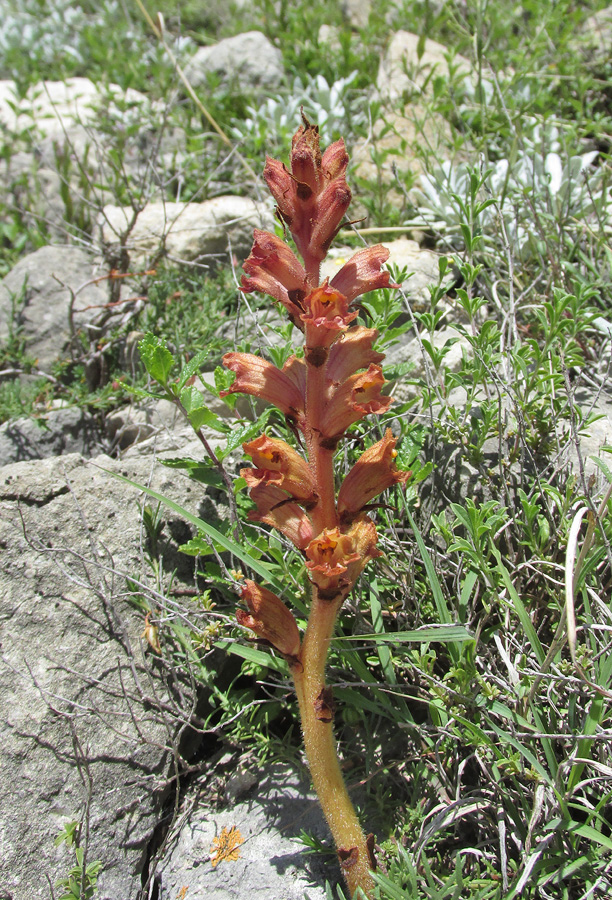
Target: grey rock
41	286
186	231
52	107
246	62
77	689
271	862
403	71
58	432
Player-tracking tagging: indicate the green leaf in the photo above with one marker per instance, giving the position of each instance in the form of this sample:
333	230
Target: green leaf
434	583
227	543
199	414
246	433
192	367
198	470
156	357
252	655
428	634
519	607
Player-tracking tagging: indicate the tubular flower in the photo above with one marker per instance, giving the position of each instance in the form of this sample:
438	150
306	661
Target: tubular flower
279	464
270	619
276	509
328	558
352	351
355	398
363	272
260	378
363	537
373	472
274	269
327	314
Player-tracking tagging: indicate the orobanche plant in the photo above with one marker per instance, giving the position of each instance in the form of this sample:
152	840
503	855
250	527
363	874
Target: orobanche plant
336	383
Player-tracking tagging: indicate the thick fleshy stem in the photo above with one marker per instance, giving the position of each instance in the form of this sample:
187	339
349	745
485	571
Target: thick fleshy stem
316	712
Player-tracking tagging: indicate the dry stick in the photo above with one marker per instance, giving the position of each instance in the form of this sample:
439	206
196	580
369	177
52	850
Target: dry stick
559	638
158	31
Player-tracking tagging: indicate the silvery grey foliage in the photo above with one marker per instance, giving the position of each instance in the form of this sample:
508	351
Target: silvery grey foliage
60	31
543	178
331	106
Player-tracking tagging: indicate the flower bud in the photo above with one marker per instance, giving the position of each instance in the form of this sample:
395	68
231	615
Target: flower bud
270	619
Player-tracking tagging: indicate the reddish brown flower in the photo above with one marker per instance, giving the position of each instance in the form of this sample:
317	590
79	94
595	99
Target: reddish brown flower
260	378
327	314
275	270
355	398
276	509
351	352
363	272
328	558
279	464
373	472
269	618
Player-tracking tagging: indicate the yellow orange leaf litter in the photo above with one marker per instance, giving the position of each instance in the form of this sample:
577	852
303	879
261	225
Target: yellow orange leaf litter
226	846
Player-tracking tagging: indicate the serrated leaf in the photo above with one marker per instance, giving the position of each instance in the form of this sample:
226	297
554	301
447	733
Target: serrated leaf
192	367
199	414
156	357
245	433
197	546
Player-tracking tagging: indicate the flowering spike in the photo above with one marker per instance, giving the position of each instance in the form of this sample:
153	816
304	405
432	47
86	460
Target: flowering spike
373	472
270	619
336	382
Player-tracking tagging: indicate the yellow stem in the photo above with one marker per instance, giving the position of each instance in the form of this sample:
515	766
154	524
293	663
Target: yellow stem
321	749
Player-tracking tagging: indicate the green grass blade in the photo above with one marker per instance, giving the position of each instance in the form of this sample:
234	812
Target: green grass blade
519	607
434	583
227	543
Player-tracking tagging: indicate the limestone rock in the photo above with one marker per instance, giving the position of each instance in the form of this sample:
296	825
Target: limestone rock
52	107
245	62
77	691
57	432
187	231
271	863
595	40
402	72
36	296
